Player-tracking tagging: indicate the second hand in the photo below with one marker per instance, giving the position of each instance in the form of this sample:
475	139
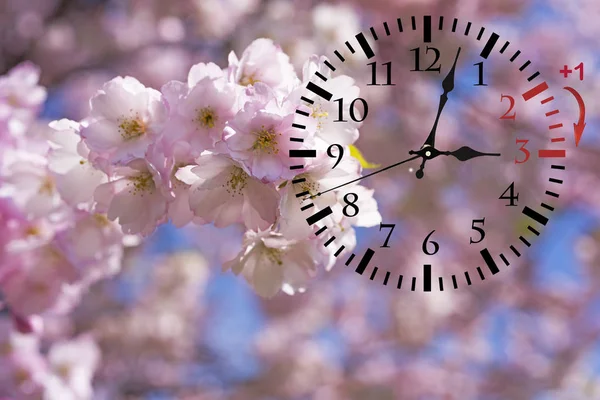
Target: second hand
365	176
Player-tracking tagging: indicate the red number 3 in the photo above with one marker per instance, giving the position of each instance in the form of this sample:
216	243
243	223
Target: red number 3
523	143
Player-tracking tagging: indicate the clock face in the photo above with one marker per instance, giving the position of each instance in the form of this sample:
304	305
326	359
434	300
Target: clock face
478	181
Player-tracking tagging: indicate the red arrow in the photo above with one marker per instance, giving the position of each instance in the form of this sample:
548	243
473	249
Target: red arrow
580	125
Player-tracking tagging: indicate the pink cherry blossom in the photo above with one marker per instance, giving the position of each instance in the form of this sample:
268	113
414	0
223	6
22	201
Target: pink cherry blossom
30	183
259	137
317	178
94	244
223	192
264	62
19	89
321	111
72	365
199	114
134	198
126	117
268	261
75	177
34	281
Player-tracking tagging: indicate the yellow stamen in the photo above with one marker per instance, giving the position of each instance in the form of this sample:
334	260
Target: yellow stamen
101	220
237	181
274	255
206	117
47	186
266	140
142	183
132	128
247	80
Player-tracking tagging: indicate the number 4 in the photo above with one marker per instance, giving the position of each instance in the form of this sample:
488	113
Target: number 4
391	228
512	198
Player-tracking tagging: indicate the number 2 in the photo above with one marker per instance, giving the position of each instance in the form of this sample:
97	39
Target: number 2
510	108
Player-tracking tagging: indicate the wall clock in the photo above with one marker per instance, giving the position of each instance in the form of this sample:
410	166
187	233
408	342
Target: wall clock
501	159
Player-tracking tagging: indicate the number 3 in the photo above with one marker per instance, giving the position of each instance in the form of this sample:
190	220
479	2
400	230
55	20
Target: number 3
524	150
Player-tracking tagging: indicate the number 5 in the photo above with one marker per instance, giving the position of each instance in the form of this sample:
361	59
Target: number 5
478	229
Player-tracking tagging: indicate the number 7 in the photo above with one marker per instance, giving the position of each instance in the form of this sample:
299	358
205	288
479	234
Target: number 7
391	228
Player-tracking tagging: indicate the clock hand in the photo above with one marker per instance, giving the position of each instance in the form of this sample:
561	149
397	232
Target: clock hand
366	176
466	153
448	86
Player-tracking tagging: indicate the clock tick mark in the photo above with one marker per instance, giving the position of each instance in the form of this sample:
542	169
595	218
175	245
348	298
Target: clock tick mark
503	258
313	219
385	280
399	24
328	242
338	55
386	28
533	230
362	41
306	207
547	207
557	181
480	34
468	28
524	66
323	229
349	260
535	91
503	49
454	24
427	29
536	216
339	251
489	46
364	262
525	241
548	100
373	33
328	65
532	77
349	46
413	20
514	57
514	250
414	284
467	278
399	286
454	283
480	273
427	278
441	284
373	273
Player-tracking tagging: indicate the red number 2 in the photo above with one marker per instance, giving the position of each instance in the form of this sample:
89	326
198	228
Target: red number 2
512	105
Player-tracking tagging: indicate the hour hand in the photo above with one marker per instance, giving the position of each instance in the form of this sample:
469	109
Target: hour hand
466	153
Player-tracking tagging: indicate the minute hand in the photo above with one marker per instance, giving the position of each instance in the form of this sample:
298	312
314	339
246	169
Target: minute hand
448	86
366	176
